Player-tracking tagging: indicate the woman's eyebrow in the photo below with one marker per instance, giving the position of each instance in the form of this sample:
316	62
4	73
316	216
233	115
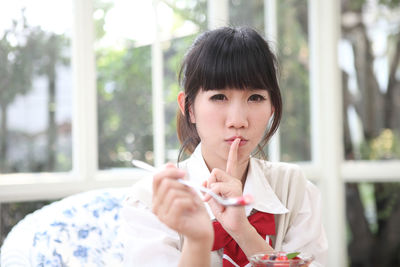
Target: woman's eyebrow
257	89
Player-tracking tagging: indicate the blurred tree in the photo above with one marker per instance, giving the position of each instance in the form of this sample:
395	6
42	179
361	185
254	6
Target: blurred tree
293	58
51	52
29	52
125	115
16	73
189	10
376	105
124	94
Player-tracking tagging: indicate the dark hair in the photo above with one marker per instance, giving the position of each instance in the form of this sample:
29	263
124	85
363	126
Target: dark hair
227	57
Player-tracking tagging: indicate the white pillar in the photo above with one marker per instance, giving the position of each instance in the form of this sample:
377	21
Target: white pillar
327	114
84	128
157	92
218	13
271	34
271	23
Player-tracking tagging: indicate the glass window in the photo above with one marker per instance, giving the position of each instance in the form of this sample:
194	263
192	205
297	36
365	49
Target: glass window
293	57
373	214
35	86
369	59
124	32
247	13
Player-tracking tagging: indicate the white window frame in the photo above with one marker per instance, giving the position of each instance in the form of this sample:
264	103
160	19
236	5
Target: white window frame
327	168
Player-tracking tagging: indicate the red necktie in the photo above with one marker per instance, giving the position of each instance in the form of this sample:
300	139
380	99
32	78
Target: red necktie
264	224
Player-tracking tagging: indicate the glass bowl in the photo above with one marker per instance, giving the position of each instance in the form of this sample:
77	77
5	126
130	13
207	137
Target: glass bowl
275	260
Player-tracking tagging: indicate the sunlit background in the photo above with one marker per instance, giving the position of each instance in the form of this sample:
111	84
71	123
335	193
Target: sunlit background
87	86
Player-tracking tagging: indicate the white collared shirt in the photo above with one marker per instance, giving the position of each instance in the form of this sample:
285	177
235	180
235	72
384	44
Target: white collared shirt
149	242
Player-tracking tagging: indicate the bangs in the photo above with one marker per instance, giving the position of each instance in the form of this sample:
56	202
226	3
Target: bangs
236	59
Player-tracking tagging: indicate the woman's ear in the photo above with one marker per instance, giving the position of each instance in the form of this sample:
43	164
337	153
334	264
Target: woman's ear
181	103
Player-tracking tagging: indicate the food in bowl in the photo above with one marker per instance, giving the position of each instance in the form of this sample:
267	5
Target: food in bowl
281	259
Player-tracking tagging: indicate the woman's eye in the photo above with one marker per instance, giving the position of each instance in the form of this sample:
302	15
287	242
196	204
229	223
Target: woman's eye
256	98
218	97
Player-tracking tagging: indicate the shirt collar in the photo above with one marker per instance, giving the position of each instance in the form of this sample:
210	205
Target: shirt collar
256	184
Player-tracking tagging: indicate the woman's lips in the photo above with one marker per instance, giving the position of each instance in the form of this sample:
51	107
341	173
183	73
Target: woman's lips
242	141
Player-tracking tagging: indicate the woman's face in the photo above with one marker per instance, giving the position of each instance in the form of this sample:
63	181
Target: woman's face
223	115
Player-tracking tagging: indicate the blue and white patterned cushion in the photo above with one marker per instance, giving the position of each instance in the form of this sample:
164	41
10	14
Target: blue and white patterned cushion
79	230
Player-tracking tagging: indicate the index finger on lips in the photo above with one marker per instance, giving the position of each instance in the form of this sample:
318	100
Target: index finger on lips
231	163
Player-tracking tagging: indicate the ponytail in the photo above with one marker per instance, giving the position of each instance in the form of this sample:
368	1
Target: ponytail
187	135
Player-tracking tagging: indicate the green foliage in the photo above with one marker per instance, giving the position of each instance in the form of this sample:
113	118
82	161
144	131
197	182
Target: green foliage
189	10
390	3
354	5
389	194
100	10
17	66
293	58
367	197
124	105
385	146
27	52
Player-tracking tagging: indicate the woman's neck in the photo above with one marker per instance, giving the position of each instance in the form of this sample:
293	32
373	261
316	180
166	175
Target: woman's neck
241	170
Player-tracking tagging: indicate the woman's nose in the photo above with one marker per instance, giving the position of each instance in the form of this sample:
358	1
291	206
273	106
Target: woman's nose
237	116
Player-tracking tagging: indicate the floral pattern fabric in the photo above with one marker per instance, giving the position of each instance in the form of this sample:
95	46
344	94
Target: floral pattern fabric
80	230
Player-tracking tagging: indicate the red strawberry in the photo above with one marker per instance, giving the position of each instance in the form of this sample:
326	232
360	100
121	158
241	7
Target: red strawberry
282	258
265	257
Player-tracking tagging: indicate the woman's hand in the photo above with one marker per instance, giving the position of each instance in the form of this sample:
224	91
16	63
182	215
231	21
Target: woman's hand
179	206
234	219
227	184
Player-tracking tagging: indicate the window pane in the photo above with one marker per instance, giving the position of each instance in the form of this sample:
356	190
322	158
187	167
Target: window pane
35	86
373	215
123	57
369	54
293	57
247	13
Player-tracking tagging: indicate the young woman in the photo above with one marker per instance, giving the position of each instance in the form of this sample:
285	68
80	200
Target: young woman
230	107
